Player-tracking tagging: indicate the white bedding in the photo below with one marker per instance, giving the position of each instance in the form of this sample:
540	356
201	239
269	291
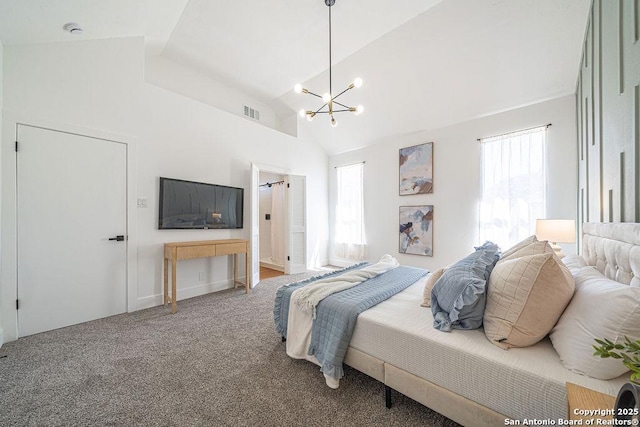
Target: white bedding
400	332
299	326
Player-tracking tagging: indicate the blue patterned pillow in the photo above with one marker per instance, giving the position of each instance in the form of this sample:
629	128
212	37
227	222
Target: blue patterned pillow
458	298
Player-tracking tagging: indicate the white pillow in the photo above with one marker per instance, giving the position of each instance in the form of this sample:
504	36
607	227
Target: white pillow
574	262
600	308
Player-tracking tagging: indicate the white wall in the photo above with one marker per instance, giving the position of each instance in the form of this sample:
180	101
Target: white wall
457	181
265	225
99	85
168	74
1	108
265	195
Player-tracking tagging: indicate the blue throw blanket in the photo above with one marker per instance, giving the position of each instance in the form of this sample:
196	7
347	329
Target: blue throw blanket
337	314
283	297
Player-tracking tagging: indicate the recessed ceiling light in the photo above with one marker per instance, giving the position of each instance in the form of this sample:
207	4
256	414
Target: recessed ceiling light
73	28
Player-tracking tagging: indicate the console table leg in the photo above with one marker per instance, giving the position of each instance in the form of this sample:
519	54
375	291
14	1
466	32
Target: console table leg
173	286
166	282
235	271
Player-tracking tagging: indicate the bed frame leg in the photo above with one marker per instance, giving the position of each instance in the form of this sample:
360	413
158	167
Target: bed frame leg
387	396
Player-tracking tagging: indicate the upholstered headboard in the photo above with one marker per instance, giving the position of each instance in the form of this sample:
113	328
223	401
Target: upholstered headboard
614	249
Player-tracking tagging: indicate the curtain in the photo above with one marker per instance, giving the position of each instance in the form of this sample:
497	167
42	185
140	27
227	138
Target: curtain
349	226
513	192
277	224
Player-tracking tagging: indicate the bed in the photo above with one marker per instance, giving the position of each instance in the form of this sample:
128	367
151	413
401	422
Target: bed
462	375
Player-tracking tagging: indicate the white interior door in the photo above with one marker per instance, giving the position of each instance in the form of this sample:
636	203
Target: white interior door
71	200
296	224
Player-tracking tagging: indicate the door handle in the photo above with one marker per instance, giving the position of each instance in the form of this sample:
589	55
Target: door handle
119	238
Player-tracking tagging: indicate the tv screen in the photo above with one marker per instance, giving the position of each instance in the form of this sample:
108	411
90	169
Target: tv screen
197	205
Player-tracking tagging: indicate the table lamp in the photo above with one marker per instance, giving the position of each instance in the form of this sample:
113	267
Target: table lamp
556	230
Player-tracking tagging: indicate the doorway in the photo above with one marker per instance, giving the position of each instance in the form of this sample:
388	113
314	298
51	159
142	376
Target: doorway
71	200
294	215
272	210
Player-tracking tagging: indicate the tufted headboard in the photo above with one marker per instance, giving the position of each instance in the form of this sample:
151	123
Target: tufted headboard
614	249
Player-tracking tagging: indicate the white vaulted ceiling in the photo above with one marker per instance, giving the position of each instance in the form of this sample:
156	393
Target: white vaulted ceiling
425	63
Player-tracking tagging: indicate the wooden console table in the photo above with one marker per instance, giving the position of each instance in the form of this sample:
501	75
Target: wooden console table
175	251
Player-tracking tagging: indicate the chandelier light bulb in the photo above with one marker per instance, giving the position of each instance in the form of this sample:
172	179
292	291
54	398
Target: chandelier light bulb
310	117
302	112
357	82
298	88
334	123
326	97
359	109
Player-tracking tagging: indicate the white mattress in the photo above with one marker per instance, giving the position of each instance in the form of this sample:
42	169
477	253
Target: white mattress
518	383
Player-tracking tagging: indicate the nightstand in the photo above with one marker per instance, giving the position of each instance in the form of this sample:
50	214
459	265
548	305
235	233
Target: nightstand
581	400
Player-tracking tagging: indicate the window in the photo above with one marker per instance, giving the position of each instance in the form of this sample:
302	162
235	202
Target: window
349	226
513	190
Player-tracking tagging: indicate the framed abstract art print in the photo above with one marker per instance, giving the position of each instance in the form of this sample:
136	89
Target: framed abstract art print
416	169
416	230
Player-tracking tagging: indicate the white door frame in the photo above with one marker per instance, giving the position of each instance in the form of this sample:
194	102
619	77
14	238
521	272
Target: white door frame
9	238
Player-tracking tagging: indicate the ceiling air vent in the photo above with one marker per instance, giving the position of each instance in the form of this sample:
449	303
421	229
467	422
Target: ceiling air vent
251	113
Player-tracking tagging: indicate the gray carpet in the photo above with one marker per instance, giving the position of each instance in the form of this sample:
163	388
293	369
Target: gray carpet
216	362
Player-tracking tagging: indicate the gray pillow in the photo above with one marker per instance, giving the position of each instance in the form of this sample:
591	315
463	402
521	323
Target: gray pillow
458	298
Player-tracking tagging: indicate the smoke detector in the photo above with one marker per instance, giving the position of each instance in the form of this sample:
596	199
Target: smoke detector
73	28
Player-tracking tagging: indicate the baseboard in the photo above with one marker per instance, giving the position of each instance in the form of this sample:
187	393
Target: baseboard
190	292
323	262
342	263
272	266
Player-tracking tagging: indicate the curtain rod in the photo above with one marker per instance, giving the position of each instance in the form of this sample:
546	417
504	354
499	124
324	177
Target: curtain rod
350	164
515	131
269	184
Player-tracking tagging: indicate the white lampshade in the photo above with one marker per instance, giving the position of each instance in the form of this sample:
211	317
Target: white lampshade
556	230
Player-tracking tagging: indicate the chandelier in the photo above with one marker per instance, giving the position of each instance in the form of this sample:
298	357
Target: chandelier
330	105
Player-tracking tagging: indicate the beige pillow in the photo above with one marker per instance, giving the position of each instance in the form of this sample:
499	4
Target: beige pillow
431	280
525	298
519	245
533	248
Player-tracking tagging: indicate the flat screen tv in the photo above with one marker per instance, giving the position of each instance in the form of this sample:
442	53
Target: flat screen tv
197	205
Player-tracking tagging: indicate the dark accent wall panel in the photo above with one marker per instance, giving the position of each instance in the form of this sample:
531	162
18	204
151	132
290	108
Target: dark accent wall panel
622	185
636	20
621	45
636	165
608	114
